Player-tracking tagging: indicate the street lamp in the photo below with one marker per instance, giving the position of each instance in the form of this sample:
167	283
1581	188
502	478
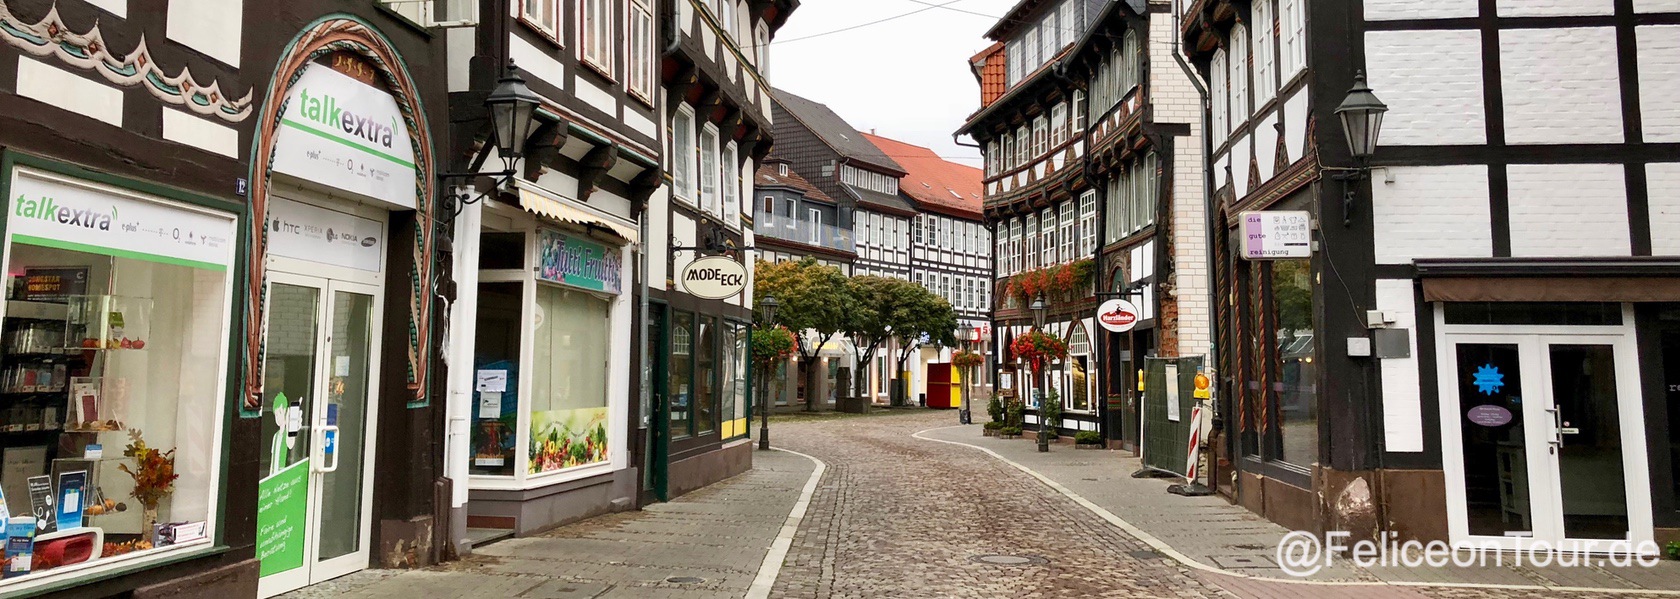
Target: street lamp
970	338
1361	114
512	108
1038	308
768	305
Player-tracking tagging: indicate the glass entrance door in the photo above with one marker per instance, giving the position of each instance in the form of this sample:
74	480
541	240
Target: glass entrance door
319	377
1548	434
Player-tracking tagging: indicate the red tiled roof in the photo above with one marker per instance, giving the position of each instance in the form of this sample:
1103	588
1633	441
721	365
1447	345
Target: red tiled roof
990	67
768	174
933	180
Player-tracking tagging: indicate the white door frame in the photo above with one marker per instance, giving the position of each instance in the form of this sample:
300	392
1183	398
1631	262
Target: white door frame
1544	474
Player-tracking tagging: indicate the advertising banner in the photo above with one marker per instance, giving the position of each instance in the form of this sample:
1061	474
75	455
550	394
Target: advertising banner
282	511
52	212
572	260
346	134
305	232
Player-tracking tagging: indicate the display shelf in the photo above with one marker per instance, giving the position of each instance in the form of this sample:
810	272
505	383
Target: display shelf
107	322
36	310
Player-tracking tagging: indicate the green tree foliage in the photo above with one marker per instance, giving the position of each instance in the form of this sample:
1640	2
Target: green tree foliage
813	298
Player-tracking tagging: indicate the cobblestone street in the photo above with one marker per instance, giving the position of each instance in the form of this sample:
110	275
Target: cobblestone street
892	515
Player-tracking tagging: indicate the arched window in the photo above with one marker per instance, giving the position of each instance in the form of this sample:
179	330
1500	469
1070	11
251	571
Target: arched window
1079	380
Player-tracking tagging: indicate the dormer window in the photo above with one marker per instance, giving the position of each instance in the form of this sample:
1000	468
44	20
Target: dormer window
782	169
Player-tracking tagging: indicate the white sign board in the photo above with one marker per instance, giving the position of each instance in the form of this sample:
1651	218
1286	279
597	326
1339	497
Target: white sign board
714	277
59	213
1118	315
343	133
305	232
1171	381
1277	235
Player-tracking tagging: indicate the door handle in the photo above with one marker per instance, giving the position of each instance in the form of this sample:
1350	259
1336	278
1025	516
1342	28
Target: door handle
1556	442
320	443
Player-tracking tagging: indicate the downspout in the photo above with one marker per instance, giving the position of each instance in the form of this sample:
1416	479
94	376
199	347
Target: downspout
1213	230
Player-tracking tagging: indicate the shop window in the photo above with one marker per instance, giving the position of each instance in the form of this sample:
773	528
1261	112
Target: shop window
568	380
1079	367
500	325
111	342
682	373
1533	313
501	251
1295	350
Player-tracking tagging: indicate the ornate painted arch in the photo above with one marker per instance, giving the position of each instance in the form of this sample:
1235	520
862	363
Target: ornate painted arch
330	34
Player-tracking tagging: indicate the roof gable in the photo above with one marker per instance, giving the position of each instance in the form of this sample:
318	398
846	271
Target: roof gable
836	132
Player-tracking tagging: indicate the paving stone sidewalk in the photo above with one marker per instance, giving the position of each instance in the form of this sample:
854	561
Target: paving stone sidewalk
718	535
1217	533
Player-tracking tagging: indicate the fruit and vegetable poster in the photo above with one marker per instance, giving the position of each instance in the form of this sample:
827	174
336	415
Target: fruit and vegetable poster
563	439
282	510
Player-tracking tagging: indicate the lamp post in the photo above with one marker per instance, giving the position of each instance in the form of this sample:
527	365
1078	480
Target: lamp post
512	108
768	305
1361	114
1038	308
970	336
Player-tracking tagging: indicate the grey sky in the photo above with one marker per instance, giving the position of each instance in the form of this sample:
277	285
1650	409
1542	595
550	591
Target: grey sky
907	78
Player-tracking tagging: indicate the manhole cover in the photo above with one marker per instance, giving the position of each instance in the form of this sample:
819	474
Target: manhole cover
685	580
1243	561
1011	560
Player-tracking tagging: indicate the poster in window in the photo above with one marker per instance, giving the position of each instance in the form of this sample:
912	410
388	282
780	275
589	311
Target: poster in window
562	439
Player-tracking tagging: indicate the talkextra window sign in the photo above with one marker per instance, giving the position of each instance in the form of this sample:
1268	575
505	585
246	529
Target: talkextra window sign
572	260
59	213
347	134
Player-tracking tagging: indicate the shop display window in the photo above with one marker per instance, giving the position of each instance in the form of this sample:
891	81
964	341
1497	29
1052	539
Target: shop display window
112	385
568	381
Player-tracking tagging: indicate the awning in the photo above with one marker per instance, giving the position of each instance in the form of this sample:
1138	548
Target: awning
550	205
1527	289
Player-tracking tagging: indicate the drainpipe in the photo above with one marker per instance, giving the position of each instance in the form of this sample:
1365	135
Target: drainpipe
463	330
1213	230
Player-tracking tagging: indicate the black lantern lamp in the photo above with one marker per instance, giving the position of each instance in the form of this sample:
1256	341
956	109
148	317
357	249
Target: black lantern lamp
1038	308
512	107
768	306
1361	114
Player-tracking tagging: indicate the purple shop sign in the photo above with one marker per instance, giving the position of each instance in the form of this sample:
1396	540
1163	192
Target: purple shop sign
1489	415
1277	235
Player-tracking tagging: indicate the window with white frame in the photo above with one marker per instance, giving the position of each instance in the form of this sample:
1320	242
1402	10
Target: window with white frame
991	158
1119	197
1070	24
1070	231
1049	37
1131	55
1265	54
875	228
726	16
1041	137
1240	108
932	226
1030	46
1031	251
709	199
1023	143
1088	223
731	173
769	214
869	180
1003	250
1012	60
1051	253
761	49
792	215
1292	29
1078	112
542	14
642	64
1058	125
598	34
684	150
1015	243
916	229
1220	71
418	12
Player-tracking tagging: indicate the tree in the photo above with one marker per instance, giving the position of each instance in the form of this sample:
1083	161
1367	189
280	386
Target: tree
813	298
923	318
876	310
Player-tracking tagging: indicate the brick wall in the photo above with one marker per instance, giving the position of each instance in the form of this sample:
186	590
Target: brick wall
1432	212
1384	10
1663	180
1561	85
1569	210
1659	60
1432	83
1174	99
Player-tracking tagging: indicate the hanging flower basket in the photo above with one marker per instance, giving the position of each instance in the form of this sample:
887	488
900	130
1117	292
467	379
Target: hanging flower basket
967	359
1037	348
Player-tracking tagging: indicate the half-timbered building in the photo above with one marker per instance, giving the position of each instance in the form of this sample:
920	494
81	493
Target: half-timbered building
1479	345
1092	189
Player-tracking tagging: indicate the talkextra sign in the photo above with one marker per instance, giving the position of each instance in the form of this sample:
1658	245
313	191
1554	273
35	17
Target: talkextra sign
341	132
50	212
